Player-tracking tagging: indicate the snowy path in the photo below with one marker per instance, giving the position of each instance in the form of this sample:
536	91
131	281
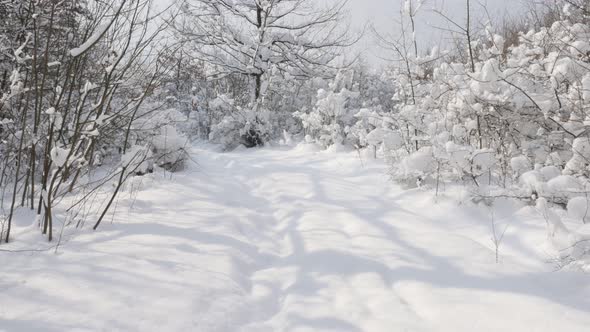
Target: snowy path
275	240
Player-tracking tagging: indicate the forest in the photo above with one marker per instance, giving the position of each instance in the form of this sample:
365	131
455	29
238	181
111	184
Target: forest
244	165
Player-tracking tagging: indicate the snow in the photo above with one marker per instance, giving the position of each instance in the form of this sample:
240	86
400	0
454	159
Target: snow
550	172
137	159
419	162
557	233
489	71
393	140
577	208
93	39
376	136
292	239
520	164
483	160
59	156
564	185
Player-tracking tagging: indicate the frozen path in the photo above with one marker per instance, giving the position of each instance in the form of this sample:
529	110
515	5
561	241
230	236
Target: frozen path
293	240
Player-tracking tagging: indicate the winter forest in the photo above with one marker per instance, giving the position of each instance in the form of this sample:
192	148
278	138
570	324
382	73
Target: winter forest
253	165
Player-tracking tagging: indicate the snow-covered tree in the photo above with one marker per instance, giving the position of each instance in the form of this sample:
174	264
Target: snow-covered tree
78	76
330	120
275	44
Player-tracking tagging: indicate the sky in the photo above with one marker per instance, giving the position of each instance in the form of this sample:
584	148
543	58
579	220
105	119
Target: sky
384	16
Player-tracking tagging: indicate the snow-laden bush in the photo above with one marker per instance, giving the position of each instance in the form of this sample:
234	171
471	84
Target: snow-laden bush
580	162
330	120
578	208
514	115
138	159
416	167
247	127
550	172
368	128
164	133
533	183
252	125
373	131
564	187
557	233
168	148
520	165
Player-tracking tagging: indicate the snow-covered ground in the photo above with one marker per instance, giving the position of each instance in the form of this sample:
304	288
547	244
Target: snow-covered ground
292	240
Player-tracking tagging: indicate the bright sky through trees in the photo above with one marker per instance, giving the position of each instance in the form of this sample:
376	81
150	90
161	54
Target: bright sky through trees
384	15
